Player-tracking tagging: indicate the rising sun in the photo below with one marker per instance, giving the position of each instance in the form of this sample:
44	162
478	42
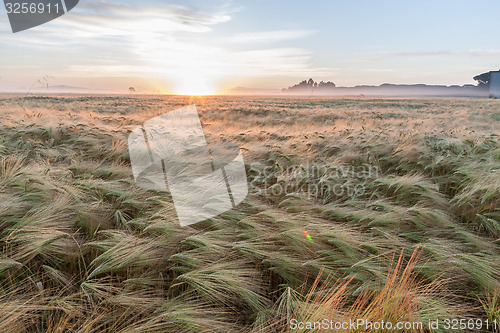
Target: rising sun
195	85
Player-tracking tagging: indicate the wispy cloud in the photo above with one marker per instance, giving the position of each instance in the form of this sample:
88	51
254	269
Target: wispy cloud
378	55
107	38
268	36
112	19
484	53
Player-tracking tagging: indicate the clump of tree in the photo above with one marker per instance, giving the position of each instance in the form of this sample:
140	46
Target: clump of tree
309	86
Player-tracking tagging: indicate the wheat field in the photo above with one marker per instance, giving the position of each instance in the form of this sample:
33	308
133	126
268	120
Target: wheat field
400	199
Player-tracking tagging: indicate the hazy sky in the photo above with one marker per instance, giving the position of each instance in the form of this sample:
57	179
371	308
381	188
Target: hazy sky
208	46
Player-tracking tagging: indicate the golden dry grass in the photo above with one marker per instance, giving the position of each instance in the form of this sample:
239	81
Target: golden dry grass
400	196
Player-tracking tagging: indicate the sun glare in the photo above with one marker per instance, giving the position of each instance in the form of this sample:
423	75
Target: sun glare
194	85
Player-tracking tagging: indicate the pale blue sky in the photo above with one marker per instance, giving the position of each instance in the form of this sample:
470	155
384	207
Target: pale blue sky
183	46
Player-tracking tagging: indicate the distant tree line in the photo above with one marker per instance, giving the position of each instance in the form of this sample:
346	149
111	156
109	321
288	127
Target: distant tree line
309	85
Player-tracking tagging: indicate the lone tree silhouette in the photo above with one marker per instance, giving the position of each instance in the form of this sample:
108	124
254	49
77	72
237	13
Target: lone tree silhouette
131	90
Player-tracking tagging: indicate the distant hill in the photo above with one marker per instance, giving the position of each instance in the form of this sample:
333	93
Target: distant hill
64	89
58	89
253	91
61	89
